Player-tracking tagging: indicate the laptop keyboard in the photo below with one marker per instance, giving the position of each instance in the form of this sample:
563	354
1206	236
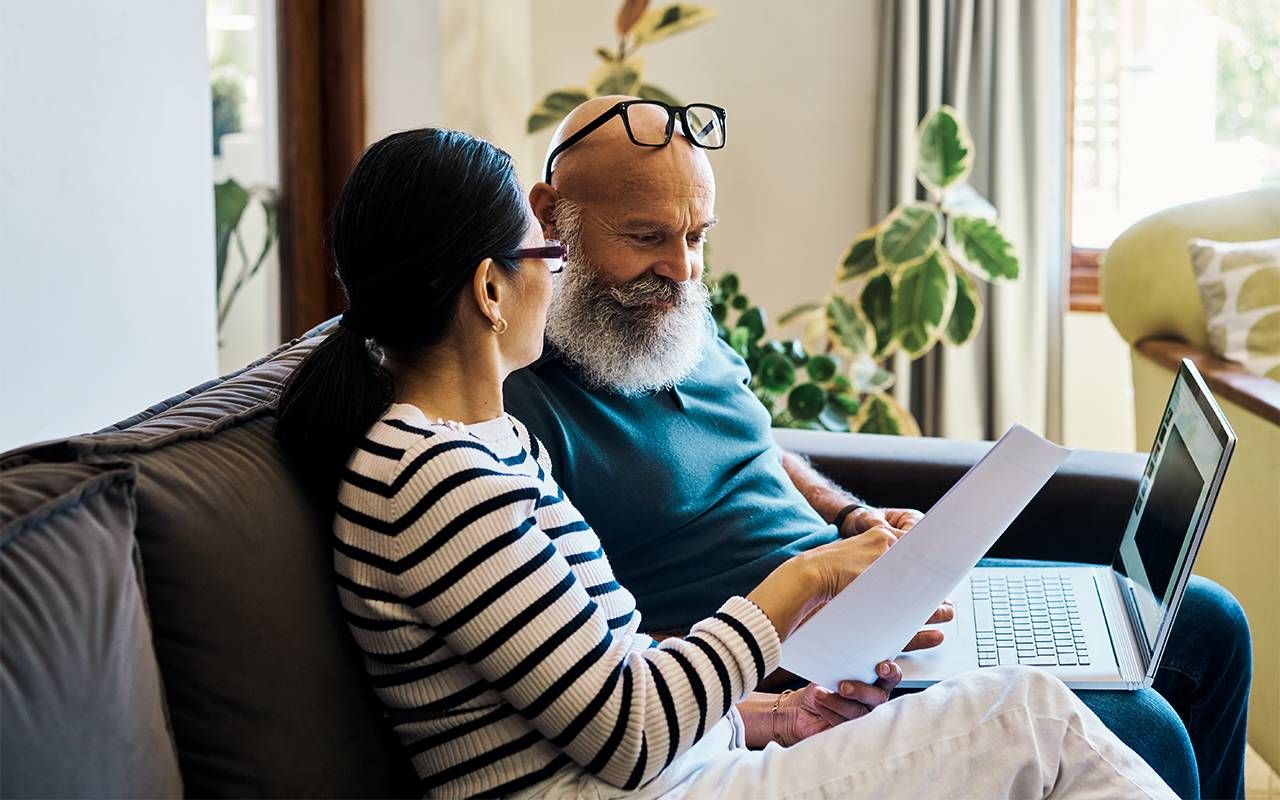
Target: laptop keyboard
1027	619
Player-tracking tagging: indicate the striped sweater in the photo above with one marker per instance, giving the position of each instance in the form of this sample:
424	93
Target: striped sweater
492	627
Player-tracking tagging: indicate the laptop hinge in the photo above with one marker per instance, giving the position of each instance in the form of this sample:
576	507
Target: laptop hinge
1132	656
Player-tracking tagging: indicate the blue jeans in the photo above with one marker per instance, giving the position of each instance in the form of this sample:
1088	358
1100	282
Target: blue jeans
1190	727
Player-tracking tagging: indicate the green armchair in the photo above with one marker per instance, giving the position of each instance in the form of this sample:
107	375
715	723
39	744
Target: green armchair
1149	291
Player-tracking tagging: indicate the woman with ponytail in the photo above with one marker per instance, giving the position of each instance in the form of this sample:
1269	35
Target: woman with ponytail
508	658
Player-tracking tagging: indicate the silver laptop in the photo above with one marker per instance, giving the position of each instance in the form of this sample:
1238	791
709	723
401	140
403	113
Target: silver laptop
1102	627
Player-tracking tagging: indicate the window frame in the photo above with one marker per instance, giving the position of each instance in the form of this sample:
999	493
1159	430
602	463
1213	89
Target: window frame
1083	288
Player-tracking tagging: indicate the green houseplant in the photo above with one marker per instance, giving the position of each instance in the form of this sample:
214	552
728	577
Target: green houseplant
622	70
230	201
903	285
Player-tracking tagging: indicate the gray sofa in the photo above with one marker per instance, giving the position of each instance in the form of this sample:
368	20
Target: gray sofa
169	624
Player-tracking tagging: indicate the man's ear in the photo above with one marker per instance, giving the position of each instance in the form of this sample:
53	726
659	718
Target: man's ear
542	199
486	292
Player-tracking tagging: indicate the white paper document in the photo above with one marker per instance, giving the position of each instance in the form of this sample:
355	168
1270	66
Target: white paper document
878	613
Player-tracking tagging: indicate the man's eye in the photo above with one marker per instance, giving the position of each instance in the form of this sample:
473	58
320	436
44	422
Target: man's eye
646	238
697	238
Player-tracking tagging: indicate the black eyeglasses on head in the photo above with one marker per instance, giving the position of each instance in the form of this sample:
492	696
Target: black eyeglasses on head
704	126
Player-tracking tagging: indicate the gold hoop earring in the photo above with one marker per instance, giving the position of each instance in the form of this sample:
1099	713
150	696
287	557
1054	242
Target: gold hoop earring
499	327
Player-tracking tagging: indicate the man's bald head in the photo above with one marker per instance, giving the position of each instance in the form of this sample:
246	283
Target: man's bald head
630	310
607	164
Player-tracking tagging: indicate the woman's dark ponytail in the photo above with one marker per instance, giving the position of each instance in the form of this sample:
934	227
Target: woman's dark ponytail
420	210
328	403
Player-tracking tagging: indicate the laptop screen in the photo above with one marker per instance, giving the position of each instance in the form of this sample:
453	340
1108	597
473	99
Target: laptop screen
1172	498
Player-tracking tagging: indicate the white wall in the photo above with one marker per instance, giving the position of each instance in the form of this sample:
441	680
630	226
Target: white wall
1097	384
106	212
403	86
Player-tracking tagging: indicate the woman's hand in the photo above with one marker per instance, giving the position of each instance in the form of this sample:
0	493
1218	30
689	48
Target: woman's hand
813	709
806	582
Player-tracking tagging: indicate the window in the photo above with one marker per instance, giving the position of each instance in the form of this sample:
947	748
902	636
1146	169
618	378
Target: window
1172	101
242	69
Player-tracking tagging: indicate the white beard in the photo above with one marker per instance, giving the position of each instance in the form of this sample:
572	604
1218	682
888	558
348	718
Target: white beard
616	335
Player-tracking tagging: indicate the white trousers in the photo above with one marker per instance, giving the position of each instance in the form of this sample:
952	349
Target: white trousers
1009	732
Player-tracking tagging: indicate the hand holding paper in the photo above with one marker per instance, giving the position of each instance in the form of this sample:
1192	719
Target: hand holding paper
879	611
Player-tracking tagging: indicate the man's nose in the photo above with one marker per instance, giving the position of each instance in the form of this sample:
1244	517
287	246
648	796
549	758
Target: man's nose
680	265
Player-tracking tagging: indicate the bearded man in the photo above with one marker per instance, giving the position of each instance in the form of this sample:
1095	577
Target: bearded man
654	433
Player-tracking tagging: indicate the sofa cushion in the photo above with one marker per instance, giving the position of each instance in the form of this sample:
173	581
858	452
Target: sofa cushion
81	703
1239	286
266	690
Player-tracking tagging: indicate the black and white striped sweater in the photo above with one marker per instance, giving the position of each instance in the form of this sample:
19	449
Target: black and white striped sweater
492	626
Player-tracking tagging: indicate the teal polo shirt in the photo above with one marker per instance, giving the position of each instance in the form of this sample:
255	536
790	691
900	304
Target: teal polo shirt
684	487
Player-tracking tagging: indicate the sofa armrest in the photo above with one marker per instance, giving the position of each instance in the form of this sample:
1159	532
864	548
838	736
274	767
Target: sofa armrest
1226	379
1080	514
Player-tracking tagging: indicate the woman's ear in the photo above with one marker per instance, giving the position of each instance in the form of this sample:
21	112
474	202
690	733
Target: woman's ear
487	291
542	199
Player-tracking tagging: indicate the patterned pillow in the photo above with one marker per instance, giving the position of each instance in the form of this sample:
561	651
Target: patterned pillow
1240	288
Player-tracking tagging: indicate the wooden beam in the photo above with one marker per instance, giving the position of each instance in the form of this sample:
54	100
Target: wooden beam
1226	379
320	52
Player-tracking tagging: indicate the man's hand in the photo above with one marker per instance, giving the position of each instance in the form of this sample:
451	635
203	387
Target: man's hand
813	709
900	520
932	637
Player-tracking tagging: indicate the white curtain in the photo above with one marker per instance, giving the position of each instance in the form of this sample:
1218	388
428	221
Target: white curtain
1002	65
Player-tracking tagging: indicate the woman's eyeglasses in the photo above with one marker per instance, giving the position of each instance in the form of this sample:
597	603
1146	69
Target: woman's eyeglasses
704	126
552	252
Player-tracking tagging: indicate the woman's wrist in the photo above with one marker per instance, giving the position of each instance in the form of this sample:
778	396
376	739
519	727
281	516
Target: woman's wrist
758	718
784	595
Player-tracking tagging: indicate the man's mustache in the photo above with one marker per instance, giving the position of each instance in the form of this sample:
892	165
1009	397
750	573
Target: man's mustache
649	290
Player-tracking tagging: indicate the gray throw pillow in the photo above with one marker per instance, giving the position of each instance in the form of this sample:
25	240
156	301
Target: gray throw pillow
265	687
81	704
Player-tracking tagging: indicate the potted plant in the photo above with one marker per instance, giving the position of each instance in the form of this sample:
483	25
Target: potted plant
622	70
903	285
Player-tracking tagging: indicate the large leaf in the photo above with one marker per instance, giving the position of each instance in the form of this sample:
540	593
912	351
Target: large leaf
869	377
922	301
847	403
945	150
230	199
796	312
618	77
966	314
754	320
629	14
876	303
795	351
554	107
880	413
648	91
269	199
846	328
834	418
908	234
981	247
776	373
660	23
860	259
815	330
963	199
821	368
806	401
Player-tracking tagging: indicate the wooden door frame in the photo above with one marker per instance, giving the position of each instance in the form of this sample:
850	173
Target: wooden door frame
320	57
